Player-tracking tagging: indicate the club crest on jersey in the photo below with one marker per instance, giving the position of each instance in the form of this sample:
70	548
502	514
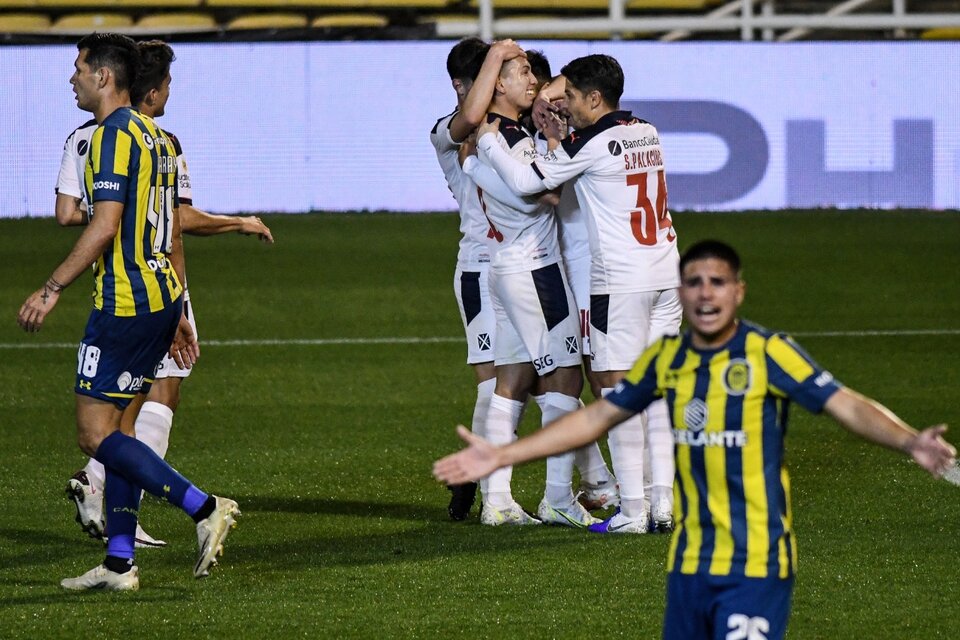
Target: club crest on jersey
737	377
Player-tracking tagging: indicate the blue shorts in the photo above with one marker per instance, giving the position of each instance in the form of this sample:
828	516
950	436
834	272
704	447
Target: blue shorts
118	356
705	607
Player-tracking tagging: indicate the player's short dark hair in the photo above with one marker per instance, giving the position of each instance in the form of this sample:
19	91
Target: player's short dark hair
706	249
466	58
539	65
596	72
114	51
155	59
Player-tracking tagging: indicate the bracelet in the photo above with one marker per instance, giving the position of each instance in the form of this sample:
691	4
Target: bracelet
54	286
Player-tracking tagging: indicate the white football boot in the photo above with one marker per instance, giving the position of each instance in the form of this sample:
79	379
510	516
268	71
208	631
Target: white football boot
512	515
211	532
573	515
89	503
102	578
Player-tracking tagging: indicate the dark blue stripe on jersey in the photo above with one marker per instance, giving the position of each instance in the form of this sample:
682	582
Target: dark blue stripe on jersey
470	294
600	311
511	130
536	170
775	412
552	294
576	140
439	120
671	397
698	469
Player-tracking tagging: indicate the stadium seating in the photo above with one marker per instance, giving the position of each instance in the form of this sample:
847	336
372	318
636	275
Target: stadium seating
405	19
24	22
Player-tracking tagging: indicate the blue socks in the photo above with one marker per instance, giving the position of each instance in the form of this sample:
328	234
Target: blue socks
134	463
122	503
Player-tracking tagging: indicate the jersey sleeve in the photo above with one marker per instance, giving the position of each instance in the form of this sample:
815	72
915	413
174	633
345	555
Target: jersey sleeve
110	159
68	180
641	385
492	184
564	163
518	176
184	191
793	374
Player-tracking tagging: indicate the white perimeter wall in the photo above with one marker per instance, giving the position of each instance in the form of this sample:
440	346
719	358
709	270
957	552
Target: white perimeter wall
343	126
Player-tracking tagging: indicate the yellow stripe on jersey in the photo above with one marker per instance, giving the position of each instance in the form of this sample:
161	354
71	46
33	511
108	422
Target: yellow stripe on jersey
121	159
787	563
787	357
715	463
754	481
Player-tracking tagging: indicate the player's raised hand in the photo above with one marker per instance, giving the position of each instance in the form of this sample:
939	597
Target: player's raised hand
185	349
477	461
932	452
507	50
38	305
488	127
253	225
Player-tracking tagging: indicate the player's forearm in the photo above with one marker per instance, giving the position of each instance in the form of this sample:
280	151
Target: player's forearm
69	212
572	431
195	222
176	258
519	177
475	105
491	183
91	244
870	420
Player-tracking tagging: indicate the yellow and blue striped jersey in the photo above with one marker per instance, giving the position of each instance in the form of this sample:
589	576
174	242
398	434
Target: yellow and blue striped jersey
133	162
728	408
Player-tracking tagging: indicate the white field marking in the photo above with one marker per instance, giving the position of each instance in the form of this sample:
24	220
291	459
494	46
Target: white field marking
320	342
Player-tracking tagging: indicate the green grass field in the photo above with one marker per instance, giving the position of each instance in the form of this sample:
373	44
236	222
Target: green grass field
328	446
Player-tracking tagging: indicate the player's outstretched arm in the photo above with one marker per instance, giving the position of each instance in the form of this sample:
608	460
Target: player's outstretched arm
195	222
572	431
874	422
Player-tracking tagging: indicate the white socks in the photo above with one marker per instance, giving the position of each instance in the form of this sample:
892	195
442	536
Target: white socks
626	443
558	490
153	426
589	461
153	429
484	393
660	444
503	416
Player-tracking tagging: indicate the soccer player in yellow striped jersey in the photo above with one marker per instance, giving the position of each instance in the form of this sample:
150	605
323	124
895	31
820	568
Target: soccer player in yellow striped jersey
134	238
728	384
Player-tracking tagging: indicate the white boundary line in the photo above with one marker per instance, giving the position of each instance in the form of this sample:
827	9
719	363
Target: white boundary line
321	342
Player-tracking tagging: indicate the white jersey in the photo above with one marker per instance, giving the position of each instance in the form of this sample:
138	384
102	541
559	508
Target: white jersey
76	151
574	240
474	226
622	190
523	239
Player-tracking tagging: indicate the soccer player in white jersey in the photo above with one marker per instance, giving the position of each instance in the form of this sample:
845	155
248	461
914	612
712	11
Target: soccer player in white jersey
473	66
618	162
152	419
537	346
598	487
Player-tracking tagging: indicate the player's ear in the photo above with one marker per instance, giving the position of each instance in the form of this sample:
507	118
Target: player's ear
741	291
458	87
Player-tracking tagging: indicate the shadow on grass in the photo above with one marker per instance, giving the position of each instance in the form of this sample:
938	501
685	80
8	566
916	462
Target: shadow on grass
437	538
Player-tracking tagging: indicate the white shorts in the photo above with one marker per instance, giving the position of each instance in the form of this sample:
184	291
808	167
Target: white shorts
476	313
625	324
536	319
168	367
578	276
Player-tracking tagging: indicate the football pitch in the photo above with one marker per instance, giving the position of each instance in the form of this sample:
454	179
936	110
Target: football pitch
331	376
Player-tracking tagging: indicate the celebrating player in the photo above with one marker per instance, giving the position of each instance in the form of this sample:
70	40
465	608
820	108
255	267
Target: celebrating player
621	186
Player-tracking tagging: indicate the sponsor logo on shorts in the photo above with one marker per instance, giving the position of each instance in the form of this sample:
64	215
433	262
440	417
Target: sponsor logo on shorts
127	381
85	384
543	362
